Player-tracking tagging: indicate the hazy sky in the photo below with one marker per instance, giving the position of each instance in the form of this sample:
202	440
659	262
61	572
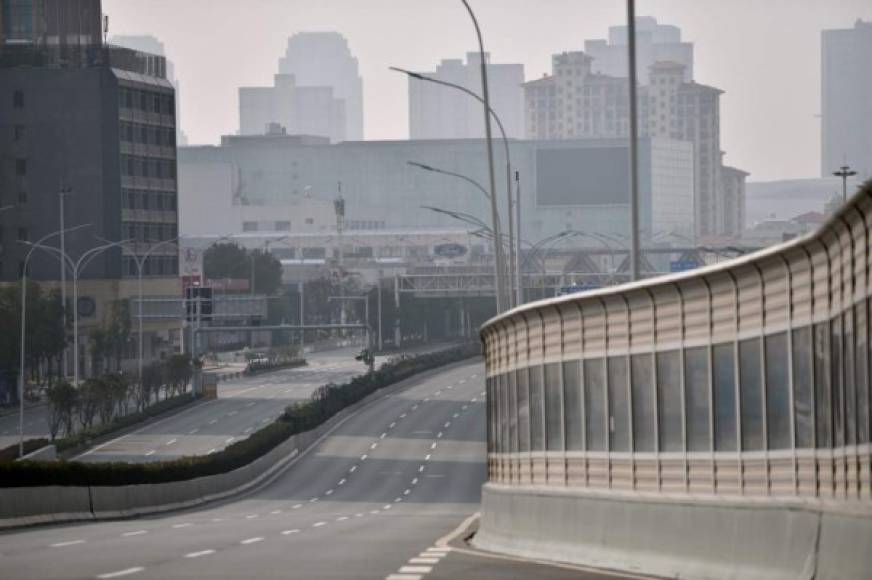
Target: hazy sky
764	53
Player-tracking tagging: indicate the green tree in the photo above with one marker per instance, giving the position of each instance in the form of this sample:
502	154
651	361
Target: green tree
110	341
63	399
229	260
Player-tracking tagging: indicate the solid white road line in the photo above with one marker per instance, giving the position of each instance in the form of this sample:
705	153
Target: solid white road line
70	543
251	541
200	553
120	573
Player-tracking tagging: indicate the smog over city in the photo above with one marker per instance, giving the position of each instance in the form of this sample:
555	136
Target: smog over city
422	289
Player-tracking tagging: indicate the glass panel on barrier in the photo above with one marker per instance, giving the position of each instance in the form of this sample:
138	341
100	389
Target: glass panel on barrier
669	400
595	404
848	378
619	404
836	382
537	407
724	383
777	392
553	408
491	443
642	378
823	400
751	386
503	408
861	378
513	413
802	388
696	393
572	405
523	411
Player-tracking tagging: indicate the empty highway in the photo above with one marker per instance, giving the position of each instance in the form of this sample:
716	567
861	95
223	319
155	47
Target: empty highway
370	500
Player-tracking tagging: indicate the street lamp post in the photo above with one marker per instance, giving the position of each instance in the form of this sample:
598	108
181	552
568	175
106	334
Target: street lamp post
513	265
23	331
495	215
844	172
635	258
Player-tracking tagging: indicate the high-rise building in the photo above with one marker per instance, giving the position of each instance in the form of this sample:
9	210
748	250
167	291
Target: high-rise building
96	122
293	109
150	44
576	102
439	112
323	59
654	43
73	23
846	99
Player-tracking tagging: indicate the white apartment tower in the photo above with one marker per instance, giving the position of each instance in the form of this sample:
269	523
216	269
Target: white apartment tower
577	102
846	99
440	112
323	59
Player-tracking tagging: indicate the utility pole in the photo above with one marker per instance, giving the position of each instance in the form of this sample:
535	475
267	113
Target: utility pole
64	191
519	279
398	338
380	341
635	269
302	316
844	172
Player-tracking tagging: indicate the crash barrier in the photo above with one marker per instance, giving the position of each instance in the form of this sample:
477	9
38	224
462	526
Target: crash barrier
20	506
701	395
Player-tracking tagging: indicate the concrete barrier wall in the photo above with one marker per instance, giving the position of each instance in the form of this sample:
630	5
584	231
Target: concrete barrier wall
682	538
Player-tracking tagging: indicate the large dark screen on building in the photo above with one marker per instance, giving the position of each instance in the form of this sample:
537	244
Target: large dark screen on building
582	176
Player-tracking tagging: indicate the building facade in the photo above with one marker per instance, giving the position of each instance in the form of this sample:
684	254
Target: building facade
323	59
90	128
846	99
295	109
576	102
439	112
654	43
565	184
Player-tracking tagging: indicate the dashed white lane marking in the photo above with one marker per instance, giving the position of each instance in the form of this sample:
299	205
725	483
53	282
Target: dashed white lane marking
404	577
415	481
251	541
430	553
423	560
69	543
171	441
373	512
120	573
134	533
387	507
382	436
363	457
341	518
251	404
230	440
298	506
248	430
251	517
266	420
455	415
217	519
439	435
328	492
231	413
392	425
373	446
319	524
185	525
289	532
276	512
427	457
341	481
420	469
447	424
313	500
407	492
416	569
150	453
213	421
443	549
433	446
403	416
199	554
211	451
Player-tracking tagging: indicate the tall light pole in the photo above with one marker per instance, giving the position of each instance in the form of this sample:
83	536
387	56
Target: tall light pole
140	268
76	267
513	264
495	214
23	332
845	172
62	194
635	261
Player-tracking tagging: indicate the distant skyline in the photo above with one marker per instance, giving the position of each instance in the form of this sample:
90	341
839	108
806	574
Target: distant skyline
764	55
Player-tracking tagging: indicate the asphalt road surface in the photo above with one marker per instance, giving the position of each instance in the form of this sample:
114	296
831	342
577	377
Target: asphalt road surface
369	500
243	406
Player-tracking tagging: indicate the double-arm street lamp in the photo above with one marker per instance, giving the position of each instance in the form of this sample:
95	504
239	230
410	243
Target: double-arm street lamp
23	329
845	172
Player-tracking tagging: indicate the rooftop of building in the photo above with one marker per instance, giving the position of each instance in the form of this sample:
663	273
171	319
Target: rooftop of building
26	55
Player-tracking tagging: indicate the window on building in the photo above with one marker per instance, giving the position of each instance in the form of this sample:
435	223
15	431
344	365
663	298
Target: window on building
249	226
21	167
310	221
22	197
18	99
18	132
143	101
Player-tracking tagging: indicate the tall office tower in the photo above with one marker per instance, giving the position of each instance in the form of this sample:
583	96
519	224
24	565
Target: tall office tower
846	99
297	110
439	112
323	59
575	102
150	44
97	123
654	43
